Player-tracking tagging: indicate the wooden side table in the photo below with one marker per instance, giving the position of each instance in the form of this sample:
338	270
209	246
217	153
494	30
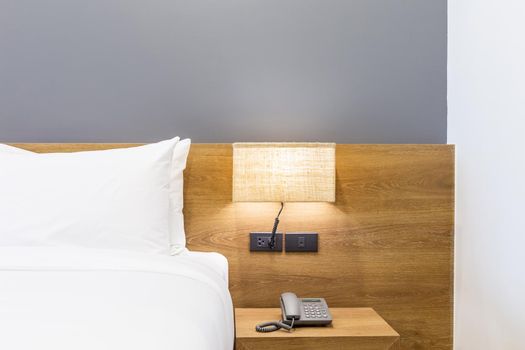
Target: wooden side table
352	328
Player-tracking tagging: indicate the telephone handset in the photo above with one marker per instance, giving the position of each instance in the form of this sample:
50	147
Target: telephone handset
299	312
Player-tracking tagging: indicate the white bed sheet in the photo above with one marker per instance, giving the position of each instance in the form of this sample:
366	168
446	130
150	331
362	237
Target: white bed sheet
55	298
214	261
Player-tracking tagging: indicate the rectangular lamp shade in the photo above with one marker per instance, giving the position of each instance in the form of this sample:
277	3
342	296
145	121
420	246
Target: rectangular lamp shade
283	172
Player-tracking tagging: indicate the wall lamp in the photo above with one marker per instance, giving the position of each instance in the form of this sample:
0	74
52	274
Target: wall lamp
283	172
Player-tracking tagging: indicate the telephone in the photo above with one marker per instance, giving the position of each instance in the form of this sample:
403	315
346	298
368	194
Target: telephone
299	312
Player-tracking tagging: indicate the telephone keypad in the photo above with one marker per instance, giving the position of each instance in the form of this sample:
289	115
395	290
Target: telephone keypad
315	310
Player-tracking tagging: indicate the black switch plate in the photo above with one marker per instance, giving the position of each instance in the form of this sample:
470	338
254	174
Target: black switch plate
259	242
301	242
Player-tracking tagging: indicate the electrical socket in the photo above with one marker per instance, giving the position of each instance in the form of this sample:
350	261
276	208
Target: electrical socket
260	242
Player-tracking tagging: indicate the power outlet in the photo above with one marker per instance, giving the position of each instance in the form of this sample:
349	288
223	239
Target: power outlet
301	242
260	242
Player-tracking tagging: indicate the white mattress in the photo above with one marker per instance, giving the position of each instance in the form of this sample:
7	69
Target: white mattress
59	299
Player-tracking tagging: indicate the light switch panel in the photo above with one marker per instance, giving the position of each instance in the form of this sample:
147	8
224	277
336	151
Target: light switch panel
301	242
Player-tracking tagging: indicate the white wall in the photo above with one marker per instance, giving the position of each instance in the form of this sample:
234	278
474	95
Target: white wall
486	121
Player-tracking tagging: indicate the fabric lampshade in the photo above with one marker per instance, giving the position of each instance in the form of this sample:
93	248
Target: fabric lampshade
284	172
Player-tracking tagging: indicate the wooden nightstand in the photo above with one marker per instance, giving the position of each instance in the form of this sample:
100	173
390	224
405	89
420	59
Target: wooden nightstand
352	328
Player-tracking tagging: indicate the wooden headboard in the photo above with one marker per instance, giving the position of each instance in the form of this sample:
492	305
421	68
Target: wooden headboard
387	242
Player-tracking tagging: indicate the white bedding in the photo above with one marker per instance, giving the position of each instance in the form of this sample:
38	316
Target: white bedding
214	261
63	298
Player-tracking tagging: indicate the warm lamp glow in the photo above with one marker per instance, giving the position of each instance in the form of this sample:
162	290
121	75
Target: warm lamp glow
284	172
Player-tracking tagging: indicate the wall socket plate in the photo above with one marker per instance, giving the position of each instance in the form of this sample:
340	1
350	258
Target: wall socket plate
301	242
259	242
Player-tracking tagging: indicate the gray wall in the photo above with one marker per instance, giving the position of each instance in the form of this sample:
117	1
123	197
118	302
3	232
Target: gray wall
354	71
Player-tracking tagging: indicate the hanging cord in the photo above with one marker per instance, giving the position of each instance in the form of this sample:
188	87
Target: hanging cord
273	326
271	244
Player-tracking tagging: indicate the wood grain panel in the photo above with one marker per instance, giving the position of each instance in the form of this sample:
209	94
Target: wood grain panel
387	242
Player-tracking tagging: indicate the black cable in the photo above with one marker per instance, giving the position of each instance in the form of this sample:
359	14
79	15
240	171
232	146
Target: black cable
271	244
267	327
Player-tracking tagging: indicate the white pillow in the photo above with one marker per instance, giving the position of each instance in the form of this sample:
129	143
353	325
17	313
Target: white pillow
178	164
114	199
176	188
14	150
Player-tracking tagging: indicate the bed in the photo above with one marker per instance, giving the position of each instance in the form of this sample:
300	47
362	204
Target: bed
93	254
56	298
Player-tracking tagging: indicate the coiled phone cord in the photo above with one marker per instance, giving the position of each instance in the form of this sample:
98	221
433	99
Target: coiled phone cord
267	327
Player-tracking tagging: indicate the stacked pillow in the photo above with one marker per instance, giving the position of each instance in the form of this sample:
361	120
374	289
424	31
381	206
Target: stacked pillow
129	198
